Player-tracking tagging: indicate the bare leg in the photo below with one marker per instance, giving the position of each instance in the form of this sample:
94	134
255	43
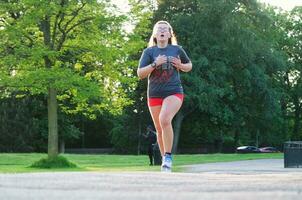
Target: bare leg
170	107
155	110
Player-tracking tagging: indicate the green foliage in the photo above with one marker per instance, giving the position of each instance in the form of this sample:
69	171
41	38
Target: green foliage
135	117
245	86
51	163
235	63
75	51
77	48
23	125
124	135
290	80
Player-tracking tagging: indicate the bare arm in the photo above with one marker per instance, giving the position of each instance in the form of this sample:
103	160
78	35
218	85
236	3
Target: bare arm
145	71
185	67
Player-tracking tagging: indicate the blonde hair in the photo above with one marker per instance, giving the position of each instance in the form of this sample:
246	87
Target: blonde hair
153	41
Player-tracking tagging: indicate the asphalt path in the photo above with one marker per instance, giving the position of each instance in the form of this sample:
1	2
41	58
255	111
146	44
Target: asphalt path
263	179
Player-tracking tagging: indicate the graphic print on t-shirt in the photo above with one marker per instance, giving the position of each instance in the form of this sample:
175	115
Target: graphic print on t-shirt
162	75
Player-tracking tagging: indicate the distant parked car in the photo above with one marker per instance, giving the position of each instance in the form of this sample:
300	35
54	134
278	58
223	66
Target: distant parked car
248	149
269	150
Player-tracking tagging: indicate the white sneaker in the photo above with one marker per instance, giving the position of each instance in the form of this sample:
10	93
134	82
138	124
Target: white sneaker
166	164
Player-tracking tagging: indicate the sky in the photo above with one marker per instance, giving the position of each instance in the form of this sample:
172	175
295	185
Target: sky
284	4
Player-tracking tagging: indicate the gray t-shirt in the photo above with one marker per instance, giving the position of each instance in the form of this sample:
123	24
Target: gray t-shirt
165	79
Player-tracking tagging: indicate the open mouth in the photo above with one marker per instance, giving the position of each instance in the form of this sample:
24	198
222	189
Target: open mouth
162	35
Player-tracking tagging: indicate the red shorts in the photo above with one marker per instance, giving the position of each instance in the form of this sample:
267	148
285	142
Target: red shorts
155	101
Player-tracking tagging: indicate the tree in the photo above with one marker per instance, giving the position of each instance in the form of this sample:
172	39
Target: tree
290	81
295	54
126	136
234	64
75	52
22	125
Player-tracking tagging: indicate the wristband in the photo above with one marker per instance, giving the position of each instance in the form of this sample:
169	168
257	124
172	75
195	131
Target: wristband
153	65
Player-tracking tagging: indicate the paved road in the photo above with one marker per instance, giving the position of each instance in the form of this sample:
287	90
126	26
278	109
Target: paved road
210	182
266	166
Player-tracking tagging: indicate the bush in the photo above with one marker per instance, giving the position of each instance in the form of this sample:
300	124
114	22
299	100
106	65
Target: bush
50	163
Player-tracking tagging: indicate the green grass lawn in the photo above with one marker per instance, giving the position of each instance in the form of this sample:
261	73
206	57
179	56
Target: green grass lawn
20	162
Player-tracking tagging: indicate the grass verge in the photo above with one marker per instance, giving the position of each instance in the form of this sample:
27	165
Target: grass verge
22	162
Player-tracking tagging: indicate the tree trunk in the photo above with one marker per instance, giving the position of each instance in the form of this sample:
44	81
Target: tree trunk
220	141
52	105
62	146
177	128
236	138
257	138
52	123
139	133
286	121
297	124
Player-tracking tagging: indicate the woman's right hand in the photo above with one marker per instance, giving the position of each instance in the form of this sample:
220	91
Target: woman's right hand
161	59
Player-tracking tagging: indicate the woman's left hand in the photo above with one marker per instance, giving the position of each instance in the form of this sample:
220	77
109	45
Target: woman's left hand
176	62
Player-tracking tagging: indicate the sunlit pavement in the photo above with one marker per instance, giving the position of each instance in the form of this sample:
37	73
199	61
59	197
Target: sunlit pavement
260	166
228	181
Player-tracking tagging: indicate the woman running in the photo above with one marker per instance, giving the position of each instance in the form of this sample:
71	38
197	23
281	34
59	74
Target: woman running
161	62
